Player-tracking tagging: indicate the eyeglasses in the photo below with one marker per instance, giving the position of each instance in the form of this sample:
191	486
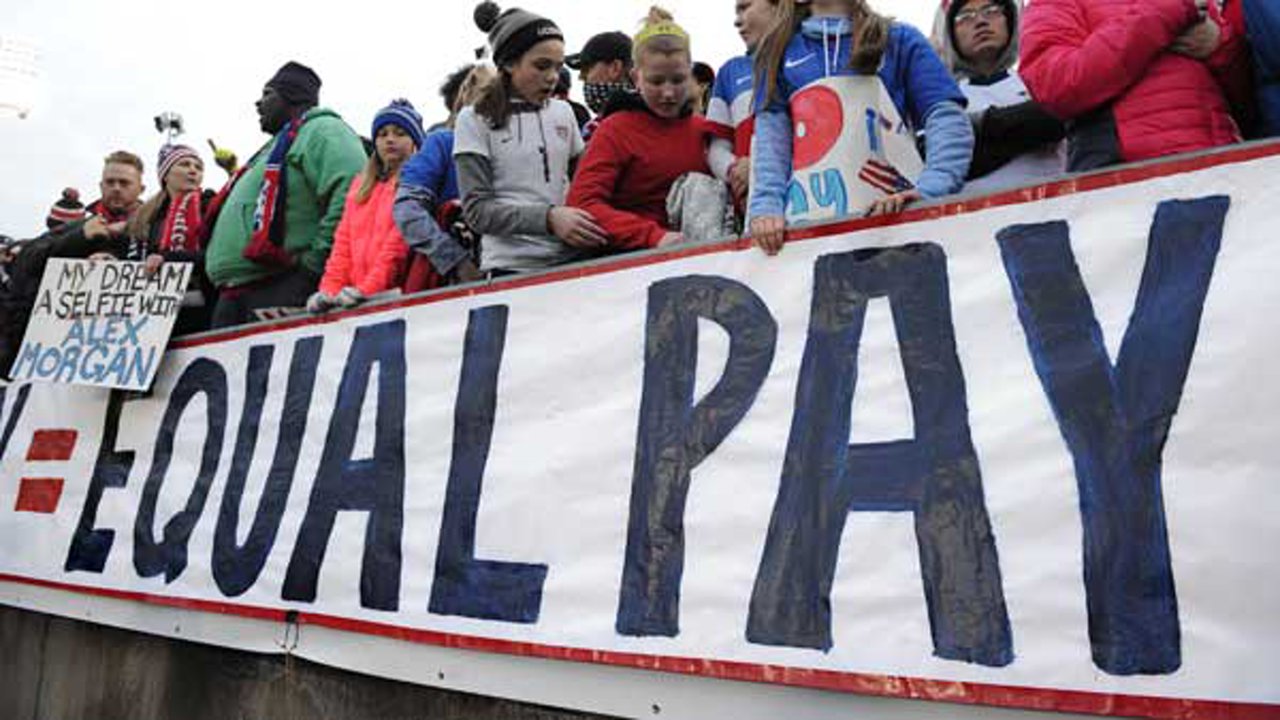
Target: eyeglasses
986	12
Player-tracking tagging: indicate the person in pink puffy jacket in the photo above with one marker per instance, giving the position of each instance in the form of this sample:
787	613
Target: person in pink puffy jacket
1134	79
369	254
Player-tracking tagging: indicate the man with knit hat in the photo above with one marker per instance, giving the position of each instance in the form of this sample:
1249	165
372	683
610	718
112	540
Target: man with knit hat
272	226
1017	142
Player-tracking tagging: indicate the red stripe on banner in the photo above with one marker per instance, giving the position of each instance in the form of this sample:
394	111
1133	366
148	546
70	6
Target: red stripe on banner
39	495
1081	183
55	445
1024	698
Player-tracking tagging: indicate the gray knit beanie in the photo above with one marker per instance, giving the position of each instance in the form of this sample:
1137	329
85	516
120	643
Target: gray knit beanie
513	32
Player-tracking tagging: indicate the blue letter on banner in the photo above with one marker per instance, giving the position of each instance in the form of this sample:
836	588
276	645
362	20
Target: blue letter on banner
1115	420
236	567
935	476
463	585
674	435
374	485
169	556
90	546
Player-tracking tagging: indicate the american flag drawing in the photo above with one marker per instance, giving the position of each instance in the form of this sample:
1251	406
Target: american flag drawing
883	176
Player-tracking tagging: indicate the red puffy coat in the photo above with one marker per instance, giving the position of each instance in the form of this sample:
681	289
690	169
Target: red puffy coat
1100	61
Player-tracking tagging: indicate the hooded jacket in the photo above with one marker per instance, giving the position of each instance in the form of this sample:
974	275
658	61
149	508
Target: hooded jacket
944	38
633	160
321	162
1016	141
921	88
1105	66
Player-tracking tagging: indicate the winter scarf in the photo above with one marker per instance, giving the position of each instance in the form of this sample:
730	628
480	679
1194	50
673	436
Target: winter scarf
266	245
107	214
182	225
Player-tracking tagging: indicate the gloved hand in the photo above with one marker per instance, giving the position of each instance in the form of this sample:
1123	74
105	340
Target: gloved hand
319	303
349	297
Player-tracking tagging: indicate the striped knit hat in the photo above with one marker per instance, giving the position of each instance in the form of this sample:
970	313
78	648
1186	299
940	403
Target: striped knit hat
68	209
401	113
170	155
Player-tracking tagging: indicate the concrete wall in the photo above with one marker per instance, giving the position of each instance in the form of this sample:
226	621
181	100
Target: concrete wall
57	669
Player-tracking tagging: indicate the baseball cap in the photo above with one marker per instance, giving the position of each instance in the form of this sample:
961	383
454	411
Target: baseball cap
605	47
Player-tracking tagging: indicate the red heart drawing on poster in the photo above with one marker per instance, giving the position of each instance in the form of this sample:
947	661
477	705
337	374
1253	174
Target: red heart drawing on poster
817	118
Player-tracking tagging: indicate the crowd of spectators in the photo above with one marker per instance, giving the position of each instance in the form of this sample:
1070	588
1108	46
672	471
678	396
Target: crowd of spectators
518	178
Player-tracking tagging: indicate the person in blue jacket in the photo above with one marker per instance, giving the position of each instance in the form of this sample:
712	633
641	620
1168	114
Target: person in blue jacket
429	180
844	39
1262	18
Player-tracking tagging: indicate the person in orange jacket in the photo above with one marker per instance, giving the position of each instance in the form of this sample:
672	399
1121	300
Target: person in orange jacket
369	254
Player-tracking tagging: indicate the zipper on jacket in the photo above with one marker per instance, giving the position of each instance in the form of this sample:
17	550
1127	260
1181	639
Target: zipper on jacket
546	161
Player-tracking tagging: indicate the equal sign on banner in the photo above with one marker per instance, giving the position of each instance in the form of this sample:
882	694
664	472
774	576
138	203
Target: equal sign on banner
42	494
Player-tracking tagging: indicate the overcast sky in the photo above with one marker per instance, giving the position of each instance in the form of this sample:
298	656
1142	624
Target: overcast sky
106	68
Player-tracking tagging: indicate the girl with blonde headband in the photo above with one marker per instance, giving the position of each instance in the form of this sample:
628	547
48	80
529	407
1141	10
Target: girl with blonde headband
647	142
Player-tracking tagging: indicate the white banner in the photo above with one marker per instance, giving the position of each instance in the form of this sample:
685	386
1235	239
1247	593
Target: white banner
101	324
1014	451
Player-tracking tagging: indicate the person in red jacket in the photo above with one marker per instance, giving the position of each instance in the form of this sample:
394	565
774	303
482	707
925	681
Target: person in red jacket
1135	79
647	141
369	254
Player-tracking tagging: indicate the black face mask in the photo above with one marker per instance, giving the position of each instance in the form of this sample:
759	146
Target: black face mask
597	94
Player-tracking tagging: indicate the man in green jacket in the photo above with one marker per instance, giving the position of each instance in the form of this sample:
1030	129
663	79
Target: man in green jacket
275	226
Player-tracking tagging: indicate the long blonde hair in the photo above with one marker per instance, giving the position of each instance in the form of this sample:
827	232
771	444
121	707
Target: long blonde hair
870	37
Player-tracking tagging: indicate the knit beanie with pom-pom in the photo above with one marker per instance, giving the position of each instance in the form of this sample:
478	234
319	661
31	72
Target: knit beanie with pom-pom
68	209
513	32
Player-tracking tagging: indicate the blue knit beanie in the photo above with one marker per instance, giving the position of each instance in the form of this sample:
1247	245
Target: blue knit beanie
401	113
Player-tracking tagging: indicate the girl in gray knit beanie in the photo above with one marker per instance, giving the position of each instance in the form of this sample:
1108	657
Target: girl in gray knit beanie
514	148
